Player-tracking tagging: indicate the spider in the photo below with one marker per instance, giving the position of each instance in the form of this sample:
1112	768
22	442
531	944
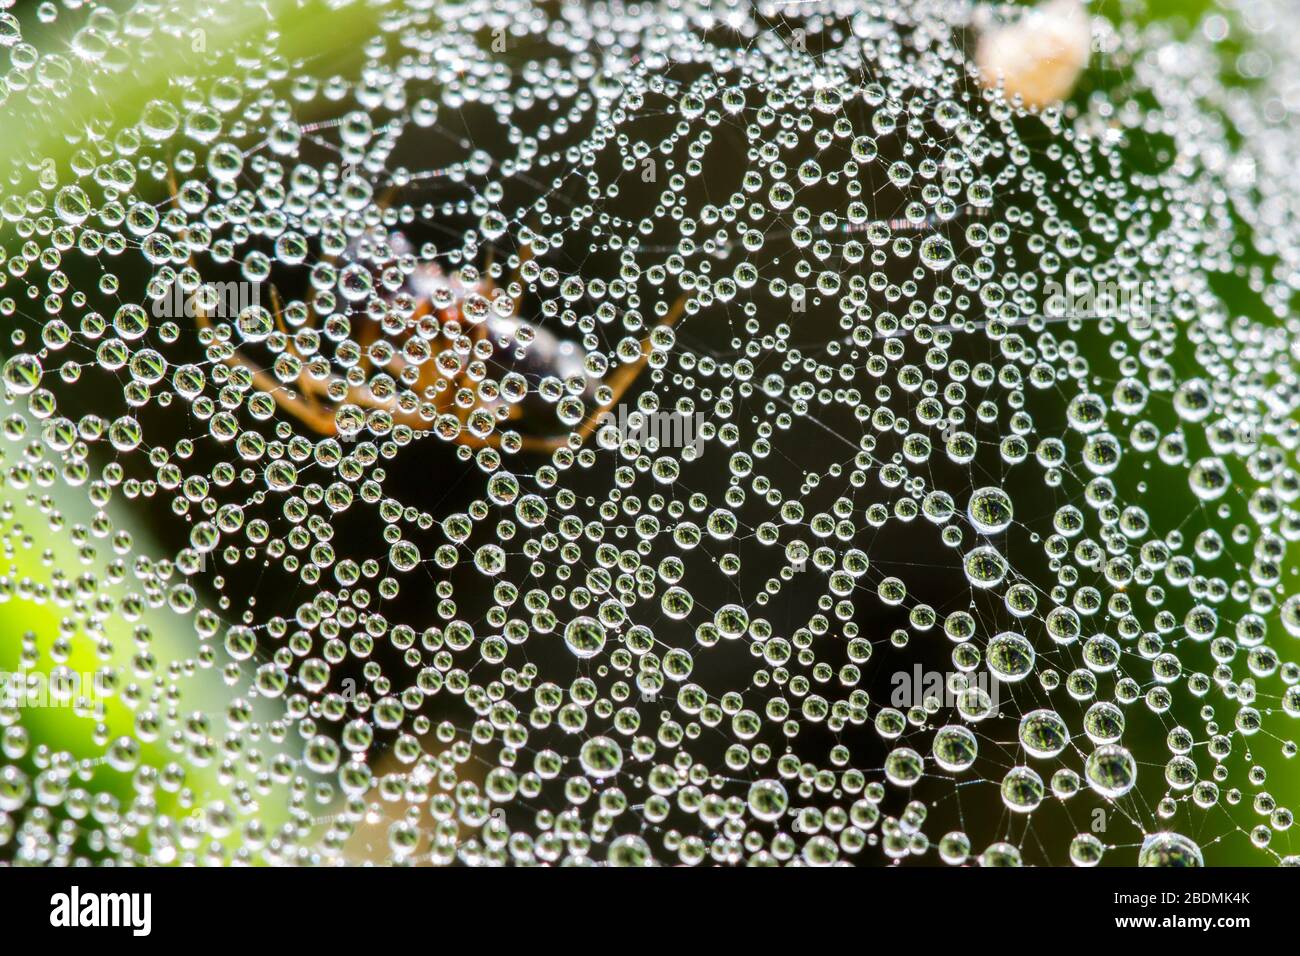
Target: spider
440	339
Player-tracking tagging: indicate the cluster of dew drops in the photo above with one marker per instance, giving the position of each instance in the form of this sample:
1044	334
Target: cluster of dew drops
589	659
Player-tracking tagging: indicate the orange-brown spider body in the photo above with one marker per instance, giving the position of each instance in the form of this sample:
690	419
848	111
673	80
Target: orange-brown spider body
446	354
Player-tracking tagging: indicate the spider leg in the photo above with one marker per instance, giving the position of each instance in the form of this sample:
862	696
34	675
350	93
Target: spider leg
318	418
277	308
315	416
623	377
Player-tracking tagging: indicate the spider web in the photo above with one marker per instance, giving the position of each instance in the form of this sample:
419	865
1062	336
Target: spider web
405	618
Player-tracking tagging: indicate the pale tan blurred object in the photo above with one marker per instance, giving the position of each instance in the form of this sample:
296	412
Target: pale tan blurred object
1038	56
